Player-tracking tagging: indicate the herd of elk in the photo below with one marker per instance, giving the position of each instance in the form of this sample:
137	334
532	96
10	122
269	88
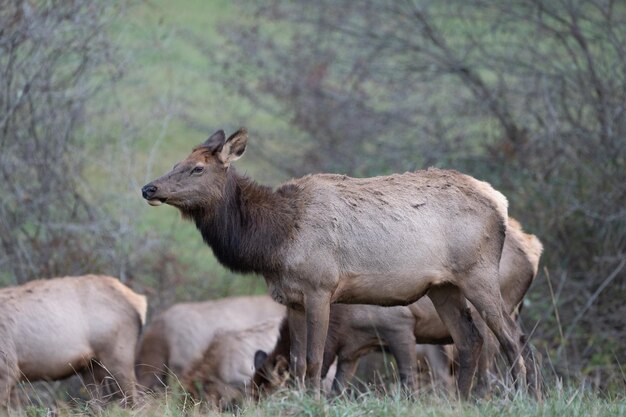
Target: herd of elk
325	239
178	337
352	265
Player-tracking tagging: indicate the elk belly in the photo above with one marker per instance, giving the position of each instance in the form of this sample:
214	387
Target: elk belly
53	362
52	344
382	289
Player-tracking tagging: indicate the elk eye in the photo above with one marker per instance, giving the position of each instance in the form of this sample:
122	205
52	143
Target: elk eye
197	170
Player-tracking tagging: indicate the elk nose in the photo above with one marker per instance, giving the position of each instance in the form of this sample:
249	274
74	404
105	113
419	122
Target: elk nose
148	191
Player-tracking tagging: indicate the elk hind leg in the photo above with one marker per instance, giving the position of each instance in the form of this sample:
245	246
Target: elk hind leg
118	366
455	314
482	290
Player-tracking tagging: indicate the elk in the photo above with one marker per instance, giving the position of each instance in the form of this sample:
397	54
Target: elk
325	238
51	329
271	371
178	337
356	330
222	375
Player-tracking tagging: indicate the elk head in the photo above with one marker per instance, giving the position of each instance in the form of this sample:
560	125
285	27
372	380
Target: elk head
199	179
271	373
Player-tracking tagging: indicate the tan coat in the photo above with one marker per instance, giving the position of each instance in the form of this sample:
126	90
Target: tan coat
362	328
357	329
178	337
50	329
223	373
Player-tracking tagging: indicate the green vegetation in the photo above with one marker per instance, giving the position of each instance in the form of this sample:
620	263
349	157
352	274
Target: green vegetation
559	402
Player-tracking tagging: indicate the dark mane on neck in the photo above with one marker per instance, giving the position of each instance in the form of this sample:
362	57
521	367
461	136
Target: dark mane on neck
248	227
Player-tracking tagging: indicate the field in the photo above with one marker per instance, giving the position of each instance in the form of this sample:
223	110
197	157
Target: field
560	166
560	401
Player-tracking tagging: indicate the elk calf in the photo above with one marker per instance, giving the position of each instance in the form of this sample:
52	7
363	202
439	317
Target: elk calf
51	329
222	376
325	239
178	337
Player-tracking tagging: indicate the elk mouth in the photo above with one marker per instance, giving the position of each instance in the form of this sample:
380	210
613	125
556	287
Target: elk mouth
153	195
156	201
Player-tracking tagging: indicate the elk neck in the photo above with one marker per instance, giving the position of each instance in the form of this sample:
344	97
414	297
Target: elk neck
250	226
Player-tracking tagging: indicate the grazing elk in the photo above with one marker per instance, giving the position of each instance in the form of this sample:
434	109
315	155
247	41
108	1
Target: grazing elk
51	329
222	375
356	330
272	370
178	337
325	239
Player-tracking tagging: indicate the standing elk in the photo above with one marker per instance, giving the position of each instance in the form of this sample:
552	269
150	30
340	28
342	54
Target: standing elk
178	337
356	330
325	239
51	329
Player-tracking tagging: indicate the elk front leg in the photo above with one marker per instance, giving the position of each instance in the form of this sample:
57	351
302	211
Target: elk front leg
9	375
297	350
317	310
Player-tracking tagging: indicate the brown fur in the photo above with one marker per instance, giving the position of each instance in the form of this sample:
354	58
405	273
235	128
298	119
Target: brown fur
177	337
50	329
223	374
247	230
326	239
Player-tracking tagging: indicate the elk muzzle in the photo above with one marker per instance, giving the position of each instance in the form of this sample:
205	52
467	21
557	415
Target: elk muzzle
148	192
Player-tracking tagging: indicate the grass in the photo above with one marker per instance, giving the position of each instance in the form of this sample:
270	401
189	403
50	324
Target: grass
560	401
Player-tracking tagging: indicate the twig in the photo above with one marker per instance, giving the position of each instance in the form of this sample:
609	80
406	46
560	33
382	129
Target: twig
594	296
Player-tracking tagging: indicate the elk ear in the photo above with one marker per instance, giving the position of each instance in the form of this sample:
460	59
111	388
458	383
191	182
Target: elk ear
259	359
234	146
215	142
